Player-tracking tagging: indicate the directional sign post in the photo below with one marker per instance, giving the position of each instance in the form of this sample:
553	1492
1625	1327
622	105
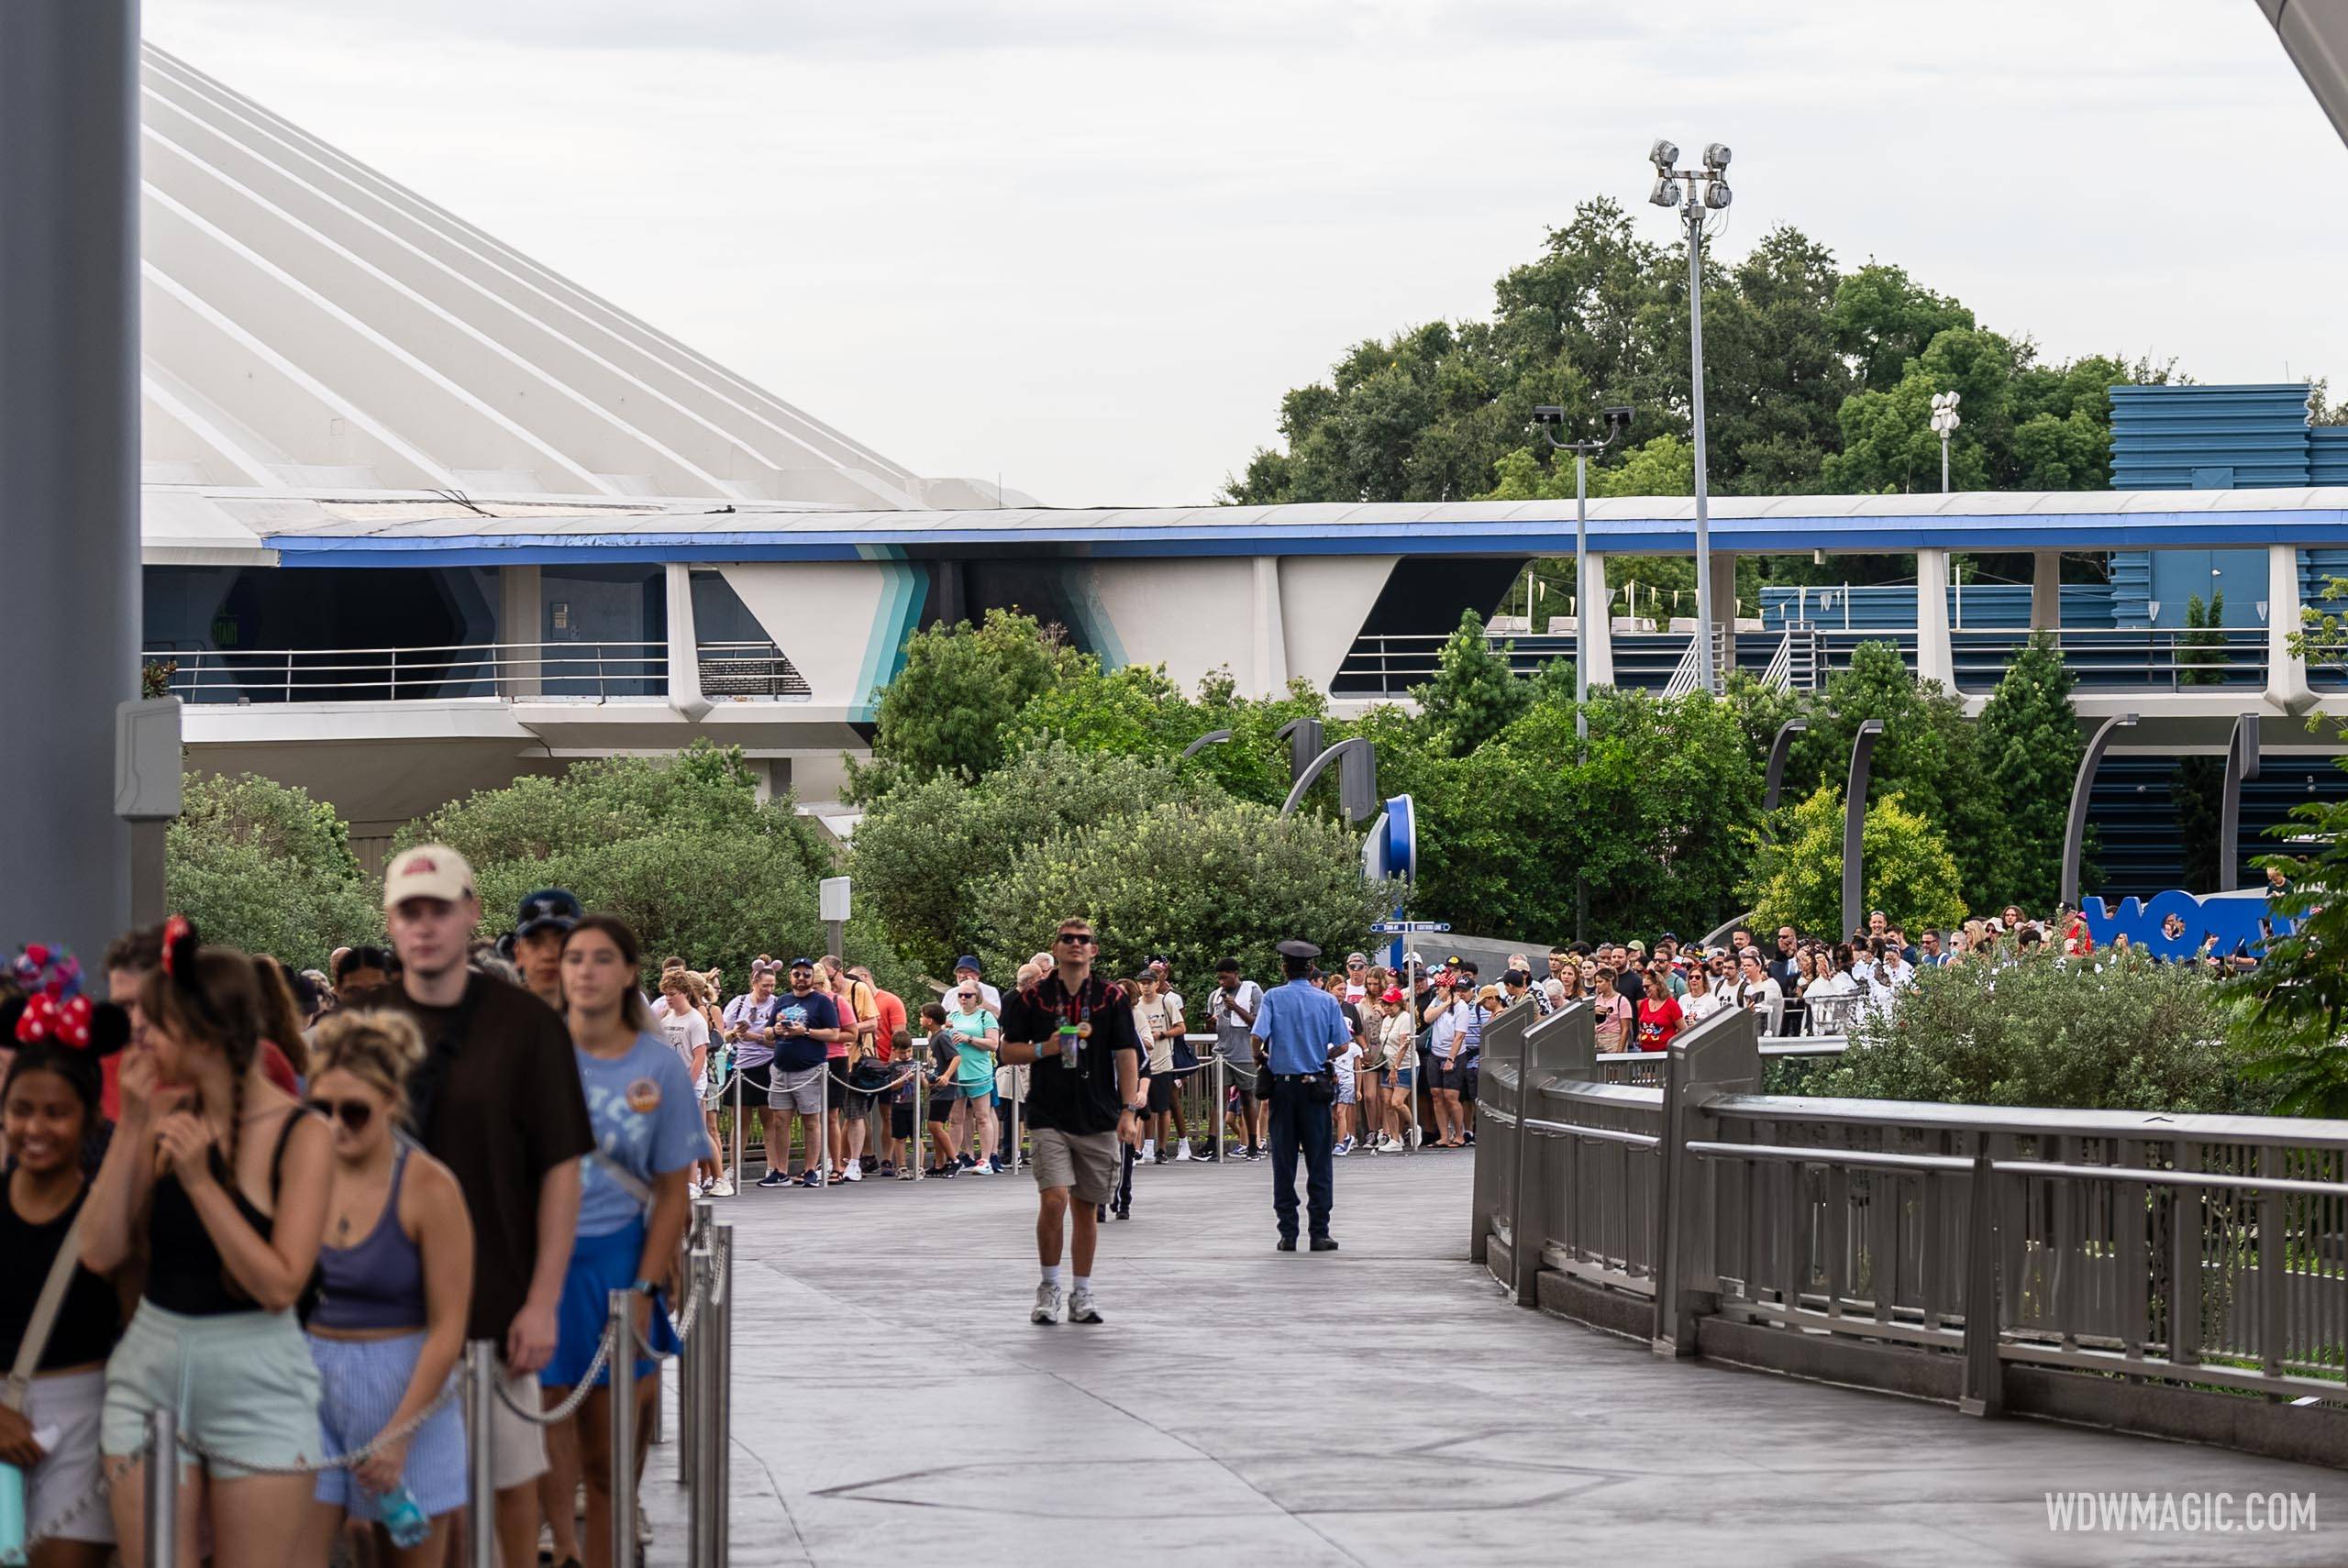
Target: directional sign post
1408	927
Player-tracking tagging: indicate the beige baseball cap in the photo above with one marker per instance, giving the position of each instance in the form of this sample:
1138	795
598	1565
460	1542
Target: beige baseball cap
427	871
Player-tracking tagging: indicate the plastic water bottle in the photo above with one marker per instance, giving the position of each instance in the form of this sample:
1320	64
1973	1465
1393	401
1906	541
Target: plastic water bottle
403	1518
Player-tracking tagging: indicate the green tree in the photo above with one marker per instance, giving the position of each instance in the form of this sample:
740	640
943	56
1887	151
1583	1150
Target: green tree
961	687
260	866
1881	319
1473	696
2029	745
1926	753
680	847
1136	711
1796	876
923	848
2121	1034
1194	880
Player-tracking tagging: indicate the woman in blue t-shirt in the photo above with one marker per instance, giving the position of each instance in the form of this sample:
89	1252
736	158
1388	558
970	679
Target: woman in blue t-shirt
632	1196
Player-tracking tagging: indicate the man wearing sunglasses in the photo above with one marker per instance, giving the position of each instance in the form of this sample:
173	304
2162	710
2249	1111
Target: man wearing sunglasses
1083	1098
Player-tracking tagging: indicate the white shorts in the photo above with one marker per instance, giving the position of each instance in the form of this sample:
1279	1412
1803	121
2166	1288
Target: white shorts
517	1448
63	1412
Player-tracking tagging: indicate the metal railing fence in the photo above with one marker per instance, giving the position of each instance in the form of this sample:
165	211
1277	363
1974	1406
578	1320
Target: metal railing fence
2177	1254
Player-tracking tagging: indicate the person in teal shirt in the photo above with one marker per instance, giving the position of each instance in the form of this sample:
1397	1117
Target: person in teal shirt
978	1033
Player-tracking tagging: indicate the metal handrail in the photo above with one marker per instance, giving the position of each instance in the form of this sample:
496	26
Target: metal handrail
2032	1121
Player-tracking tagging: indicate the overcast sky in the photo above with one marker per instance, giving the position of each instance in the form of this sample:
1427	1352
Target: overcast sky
1087	244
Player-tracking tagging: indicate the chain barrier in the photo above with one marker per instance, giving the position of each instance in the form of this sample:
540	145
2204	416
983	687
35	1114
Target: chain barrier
48	1529
579	1392
357	1457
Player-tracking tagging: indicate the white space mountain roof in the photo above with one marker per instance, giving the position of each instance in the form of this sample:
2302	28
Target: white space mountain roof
313	329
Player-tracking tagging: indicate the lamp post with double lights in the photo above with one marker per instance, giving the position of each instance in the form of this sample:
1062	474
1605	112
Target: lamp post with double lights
1696	192
1944	424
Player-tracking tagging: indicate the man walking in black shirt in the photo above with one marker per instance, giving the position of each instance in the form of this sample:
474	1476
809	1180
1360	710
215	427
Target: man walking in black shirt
1084	1099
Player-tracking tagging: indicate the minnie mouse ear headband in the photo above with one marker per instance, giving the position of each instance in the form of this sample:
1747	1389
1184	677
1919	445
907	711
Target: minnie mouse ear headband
54	1010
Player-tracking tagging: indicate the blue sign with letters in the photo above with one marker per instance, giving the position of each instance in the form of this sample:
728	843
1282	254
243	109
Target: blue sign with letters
2175	924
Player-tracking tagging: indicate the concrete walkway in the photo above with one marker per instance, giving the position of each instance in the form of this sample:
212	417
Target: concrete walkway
1379	1405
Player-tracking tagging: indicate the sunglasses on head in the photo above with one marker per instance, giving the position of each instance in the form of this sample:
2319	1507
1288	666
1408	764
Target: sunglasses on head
354	1114
1081	938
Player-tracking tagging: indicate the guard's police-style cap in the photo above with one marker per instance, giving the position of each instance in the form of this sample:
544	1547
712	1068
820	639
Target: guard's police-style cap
1297	947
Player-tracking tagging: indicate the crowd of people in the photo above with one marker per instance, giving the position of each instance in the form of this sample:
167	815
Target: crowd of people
280	1203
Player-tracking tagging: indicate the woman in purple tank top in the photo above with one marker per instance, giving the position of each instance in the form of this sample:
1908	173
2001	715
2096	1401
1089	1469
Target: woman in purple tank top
396	1272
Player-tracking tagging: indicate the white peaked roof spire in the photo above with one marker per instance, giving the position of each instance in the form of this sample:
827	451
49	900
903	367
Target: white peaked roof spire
314	331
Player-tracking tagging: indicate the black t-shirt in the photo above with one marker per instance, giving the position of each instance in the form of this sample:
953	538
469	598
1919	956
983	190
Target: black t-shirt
1083	1099
497	1101
89	1319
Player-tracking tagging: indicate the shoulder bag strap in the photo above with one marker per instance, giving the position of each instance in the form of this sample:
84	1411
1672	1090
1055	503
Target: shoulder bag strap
43	1322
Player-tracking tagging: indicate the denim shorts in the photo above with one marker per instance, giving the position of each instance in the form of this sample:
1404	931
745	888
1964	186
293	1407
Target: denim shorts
243	1384
364	1382
599	1266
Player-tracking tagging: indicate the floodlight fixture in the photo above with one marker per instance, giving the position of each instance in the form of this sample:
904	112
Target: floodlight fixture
1716	193
1663	154
1716	155
1666	193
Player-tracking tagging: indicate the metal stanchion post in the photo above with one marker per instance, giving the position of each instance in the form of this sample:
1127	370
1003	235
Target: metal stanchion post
163	1486
720	1430
1221	1098
1011	1154
622	1328
480	1477
921	1118
741	1181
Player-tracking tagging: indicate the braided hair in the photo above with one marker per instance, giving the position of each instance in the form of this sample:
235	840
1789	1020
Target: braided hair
209	994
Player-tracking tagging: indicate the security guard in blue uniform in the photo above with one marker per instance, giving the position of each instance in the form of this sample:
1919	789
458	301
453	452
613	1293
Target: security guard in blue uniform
1300	1030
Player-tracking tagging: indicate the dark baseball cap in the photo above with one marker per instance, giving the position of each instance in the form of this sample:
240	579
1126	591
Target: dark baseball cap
556	907
803	962
967	961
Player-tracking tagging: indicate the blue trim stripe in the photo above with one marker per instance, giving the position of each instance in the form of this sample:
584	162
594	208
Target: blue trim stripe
903	589
2307	528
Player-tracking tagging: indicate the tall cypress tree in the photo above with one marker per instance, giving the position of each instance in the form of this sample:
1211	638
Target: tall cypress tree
1472	697
2029	749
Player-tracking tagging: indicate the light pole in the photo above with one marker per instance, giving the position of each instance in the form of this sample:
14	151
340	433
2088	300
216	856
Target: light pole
1945	423
1706	190
1547	418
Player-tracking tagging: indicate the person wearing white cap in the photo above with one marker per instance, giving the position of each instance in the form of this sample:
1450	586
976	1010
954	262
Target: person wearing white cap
497	1099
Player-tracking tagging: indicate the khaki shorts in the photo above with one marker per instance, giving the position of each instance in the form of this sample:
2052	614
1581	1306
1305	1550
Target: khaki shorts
1085	1161
517	1448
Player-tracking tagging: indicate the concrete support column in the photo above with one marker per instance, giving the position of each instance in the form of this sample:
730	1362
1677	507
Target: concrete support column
1594	612
2286	672
69	461
1725	609
1935	655
684	646
1270	628
2045	589
521	620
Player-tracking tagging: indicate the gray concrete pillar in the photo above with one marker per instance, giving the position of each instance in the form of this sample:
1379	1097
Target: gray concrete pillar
521	628
69	460
1271	632
2286	672
1594	612
1935	654
2045	589
684	646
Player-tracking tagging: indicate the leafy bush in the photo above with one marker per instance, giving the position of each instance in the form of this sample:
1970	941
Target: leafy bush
923	848
260	866
1797	874
2116	1033
680	847
1195	880
949	709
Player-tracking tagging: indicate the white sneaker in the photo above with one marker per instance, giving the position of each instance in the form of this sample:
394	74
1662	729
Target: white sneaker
1182	1150
1342	1150
981	1168
855	1171
1149	1150
1080	1308
1047	1297
722	1188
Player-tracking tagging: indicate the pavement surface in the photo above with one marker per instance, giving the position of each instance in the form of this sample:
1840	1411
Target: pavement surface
1379	1404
